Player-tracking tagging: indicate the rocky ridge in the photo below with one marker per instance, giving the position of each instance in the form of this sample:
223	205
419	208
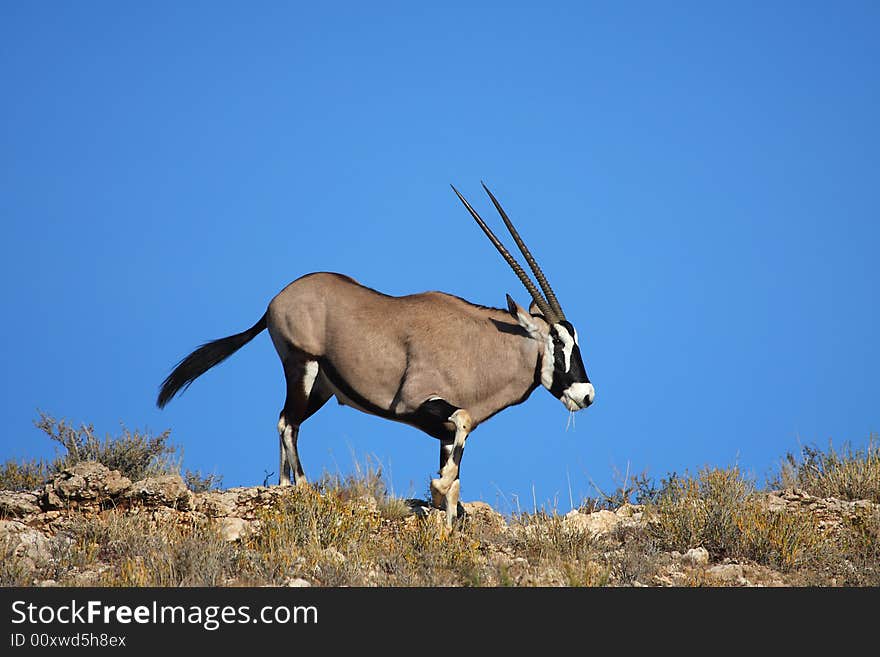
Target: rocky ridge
30	522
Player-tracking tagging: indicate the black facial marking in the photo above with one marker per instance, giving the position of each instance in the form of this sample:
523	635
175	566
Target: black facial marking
576	372
558	351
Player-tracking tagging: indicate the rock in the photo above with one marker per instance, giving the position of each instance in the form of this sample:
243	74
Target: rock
89	577
698	556
484	515
18	504
216	503
165	490
297	582
233	529
24	542
775	501
418	507
50	499
86	482
727	572
10	528
240	502
598	523
664	580
831	514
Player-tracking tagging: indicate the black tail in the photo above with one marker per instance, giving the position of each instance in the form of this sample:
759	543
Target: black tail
203	359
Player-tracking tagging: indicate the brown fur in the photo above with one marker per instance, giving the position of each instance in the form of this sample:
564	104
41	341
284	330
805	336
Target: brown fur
397	352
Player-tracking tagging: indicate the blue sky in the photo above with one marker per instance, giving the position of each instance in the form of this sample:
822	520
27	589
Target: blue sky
699	181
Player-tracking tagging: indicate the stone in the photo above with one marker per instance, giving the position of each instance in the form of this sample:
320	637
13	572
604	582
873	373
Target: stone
217	503
484	515
726	572
84	483
297	582
18	504
164	490
698	556
598	523
24	542
233	529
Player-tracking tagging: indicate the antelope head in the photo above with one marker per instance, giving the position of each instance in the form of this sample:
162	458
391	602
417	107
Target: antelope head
562	367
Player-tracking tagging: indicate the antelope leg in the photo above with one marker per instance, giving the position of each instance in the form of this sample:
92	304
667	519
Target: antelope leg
445	491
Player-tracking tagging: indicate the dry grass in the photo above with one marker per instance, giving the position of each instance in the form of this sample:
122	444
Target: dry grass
702	511
848	474
349	531
720	510
133	550
25	475
366	483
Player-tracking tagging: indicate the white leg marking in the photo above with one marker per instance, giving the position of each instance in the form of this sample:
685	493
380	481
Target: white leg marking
289	457
284	474
447	487
311	372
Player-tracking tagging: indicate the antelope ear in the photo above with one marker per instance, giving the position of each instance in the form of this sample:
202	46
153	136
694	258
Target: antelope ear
523	318
534	310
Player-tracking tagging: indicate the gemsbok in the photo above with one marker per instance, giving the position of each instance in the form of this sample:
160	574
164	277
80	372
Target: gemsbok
430	360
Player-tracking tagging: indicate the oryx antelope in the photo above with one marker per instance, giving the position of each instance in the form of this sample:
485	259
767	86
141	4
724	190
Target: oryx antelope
430	360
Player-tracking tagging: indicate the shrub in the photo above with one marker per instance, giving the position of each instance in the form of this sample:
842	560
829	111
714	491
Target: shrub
25	475
631	489
135	454
14	571
721	511
307	529
546	537
702	510
780	539
850	474
199	483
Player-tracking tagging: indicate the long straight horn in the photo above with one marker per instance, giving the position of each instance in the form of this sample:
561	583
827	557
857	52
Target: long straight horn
542	280
549	315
